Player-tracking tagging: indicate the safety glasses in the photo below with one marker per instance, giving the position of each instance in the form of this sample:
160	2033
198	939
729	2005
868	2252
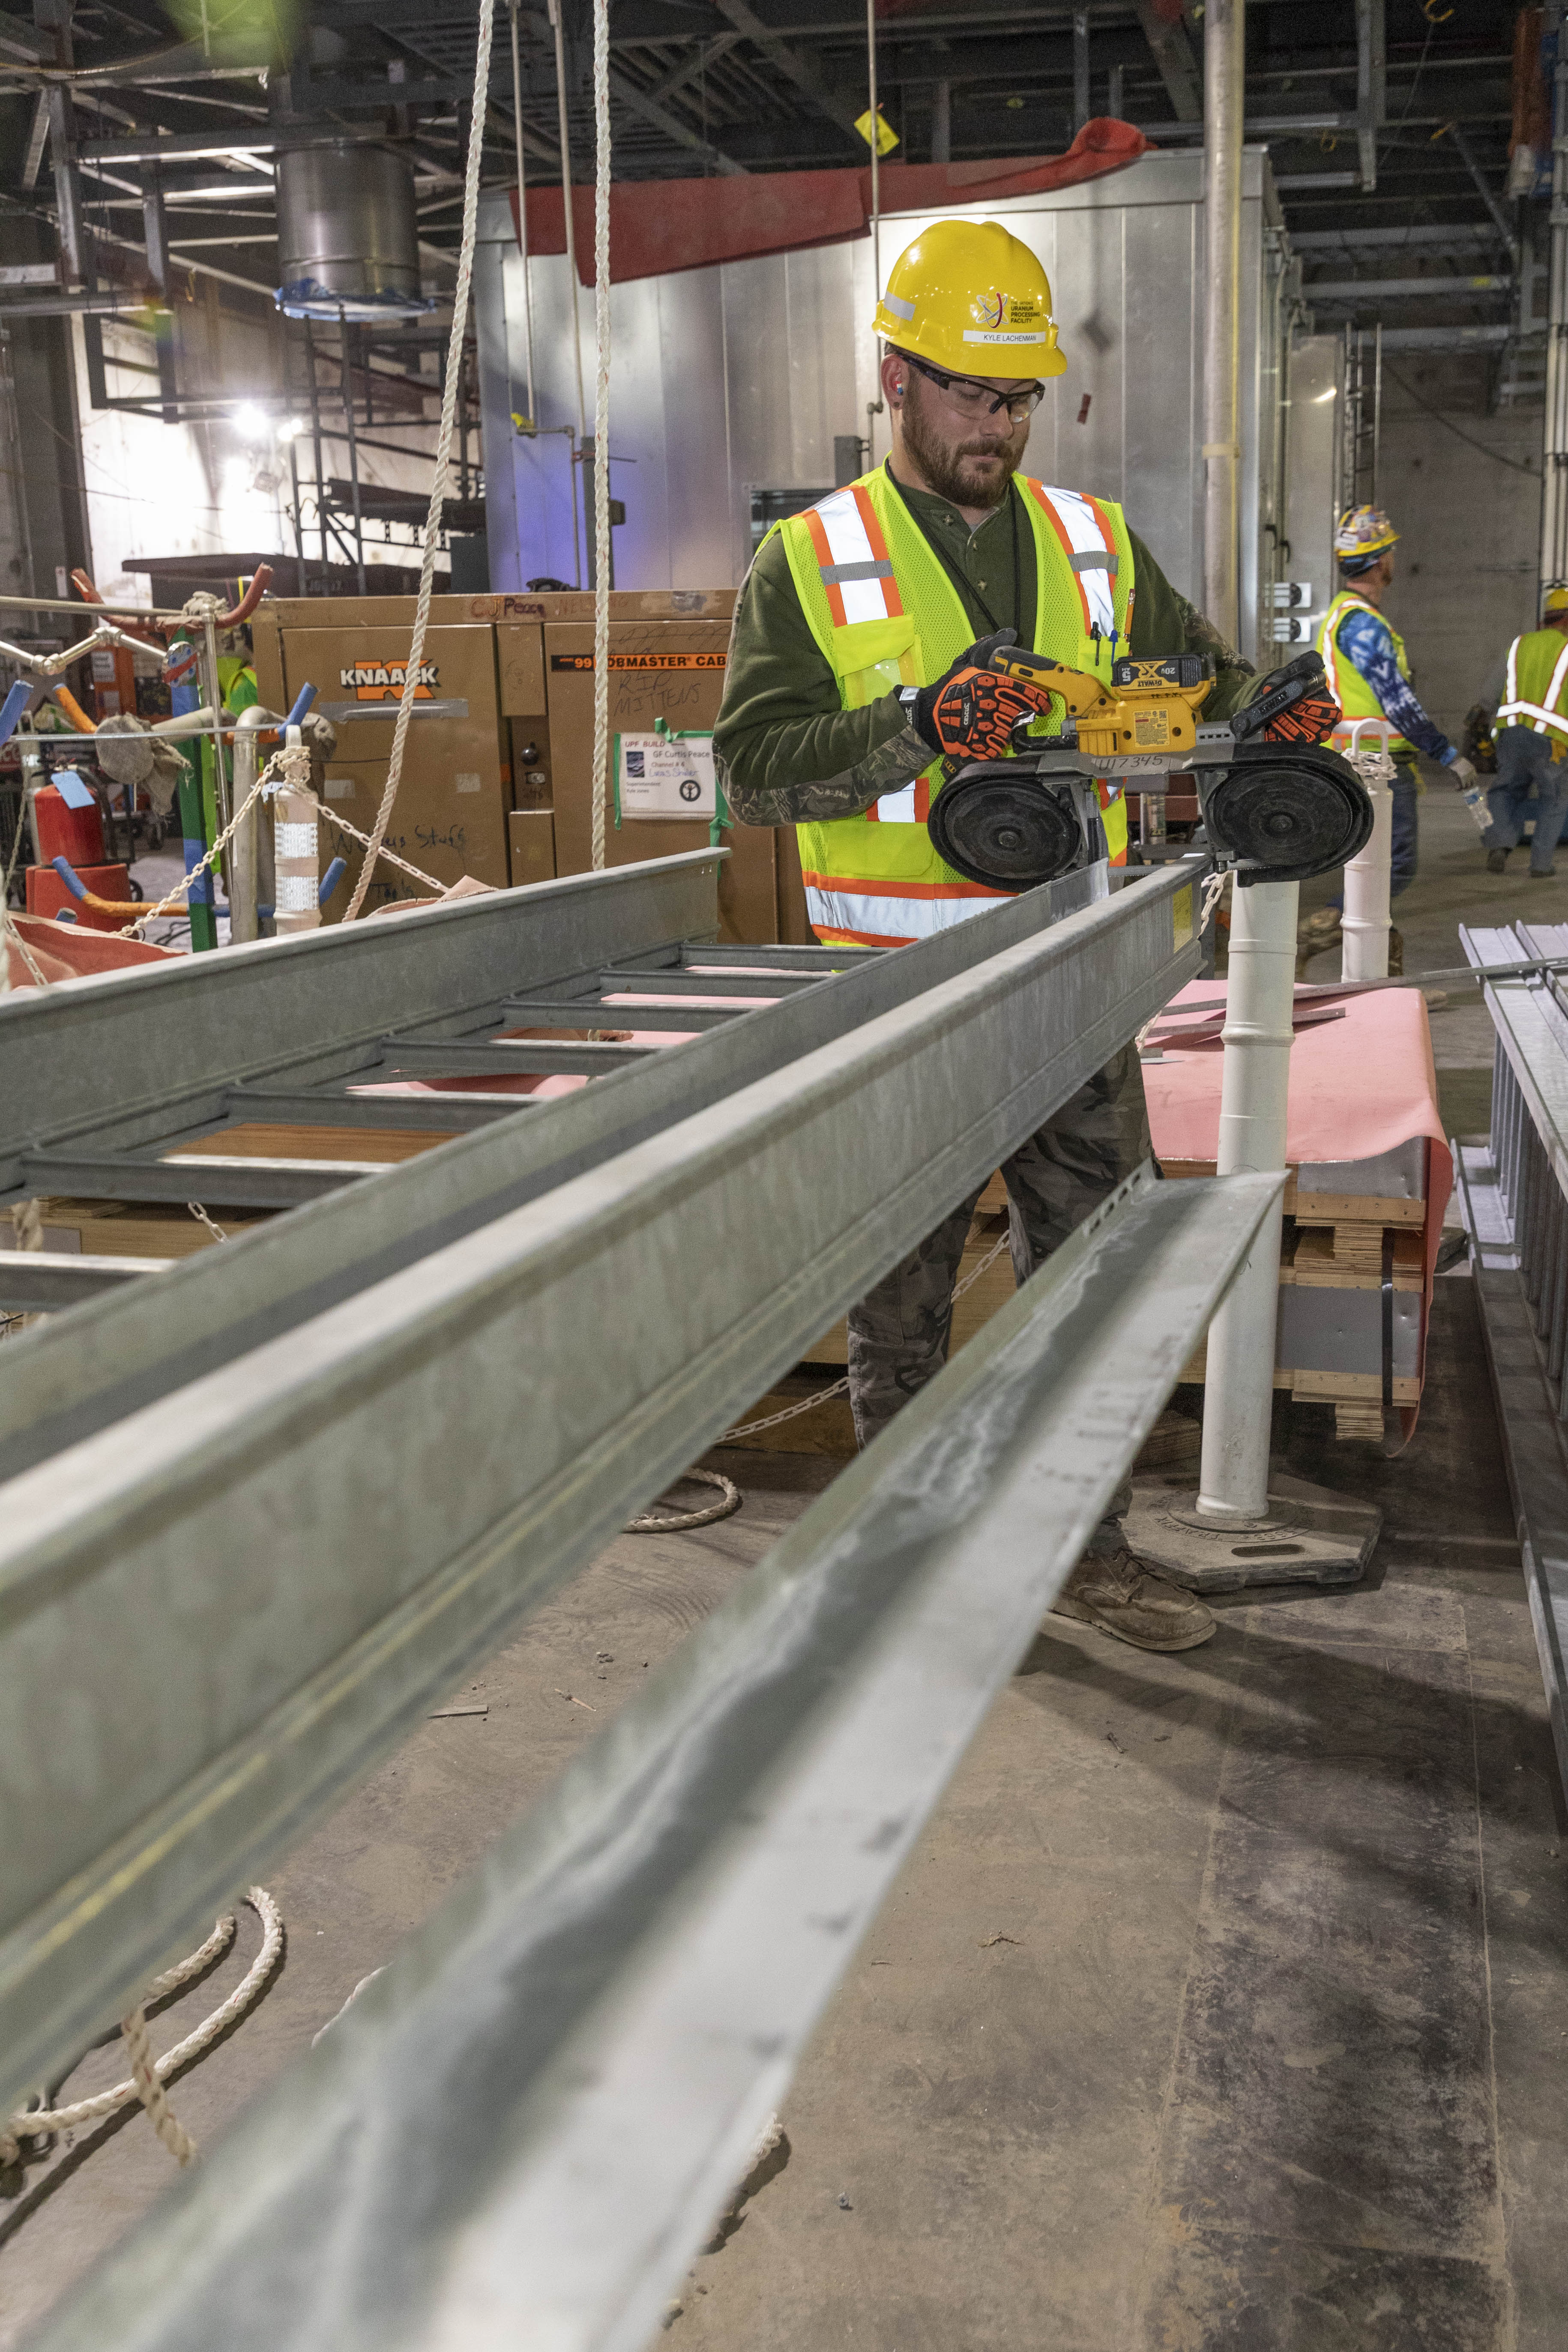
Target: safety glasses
977	399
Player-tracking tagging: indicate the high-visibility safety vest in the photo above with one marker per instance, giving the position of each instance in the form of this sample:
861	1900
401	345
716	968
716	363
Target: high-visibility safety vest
886	614
1354	696
1537	678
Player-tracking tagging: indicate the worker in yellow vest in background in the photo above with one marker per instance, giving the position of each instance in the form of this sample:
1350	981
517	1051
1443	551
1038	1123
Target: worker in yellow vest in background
1529	693
1368	674
859	663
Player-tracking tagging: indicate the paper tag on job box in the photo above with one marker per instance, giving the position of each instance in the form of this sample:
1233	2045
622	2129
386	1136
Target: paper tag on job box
666	776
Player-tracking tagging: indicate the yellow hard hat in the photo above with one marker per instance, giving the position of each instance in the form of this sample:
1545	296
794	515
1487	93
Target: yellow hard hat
969	297
1556	599
1364	532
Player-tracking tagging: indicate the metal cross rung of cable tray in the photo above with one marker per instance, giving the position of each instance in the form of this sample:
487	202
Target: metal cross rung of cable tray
1514	1189
279	1500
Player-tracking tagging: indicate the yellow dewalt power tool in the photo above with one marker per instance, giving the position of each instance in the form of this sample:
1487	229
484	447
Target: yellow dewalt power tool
1149	705
1278	805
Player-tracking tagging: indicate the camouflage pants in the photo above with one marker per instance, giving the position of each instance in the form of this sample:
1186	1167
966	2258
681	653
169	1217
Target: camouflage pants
899	1333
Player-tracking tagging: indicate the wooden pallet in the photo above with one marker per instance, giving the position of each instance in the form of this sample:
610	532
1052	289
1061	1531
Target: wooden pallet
157	1229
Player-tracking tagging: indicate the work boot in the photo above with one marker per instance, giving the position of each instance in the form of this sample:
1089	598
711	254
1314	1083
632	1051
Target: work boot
1541	873
1315	933
1126	1599
1496	861
1395	953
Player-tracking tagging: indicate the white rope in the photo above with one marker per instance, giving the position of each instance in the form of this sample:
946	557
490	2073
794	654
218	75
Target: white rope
443	452
840	1387
601	421
147	2080
150	2092
653	1523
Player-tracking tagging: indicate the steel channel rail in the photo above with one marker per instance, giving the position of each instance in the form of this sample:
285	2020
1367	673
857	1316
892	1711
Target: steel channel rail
115	1065
78	1372
1515	1192
520	2134
277	1502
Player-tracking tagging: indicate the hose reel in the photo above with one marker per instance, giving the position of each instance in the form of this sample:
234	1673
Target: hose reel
1282	812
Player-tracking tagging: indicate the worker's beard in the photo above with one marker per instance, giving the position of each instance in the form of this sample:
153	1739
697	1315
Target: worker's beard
953	473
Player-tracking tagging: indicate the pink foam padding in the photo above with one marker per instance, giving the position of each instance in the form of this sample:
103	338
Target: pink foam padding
559	1082
644	997
1359	1087
68	950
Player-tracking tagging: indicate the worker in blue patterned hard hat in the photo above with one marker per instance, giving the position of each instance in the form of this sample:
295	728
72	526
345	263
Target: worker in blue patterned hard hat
1368	675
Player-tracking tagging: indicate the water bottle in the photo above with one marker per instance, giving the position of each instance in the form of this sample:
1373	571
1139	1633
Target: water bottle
1475	798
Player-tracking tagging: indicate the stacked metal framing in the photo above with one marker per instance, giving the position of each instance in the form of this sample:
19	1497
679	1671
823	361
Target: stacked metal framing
261	1509
1515	1188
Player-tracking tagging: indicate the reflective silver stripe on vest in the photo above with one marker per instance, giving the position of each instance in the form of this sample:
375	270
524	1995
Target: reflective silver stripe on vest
1090	562
833	575
900	920
1541	716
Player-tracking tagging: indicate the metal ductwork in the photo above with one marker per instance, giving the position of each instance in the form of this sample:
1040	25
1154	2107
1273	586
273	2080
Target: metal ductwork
348	233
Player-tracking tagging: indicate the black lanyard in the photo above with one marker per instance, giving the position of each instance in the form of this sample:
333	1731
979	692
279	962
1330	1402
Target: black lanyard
961	580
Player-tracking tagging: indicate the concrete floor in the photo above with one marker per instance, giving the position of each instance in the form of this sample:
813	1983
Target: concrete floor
1218	2007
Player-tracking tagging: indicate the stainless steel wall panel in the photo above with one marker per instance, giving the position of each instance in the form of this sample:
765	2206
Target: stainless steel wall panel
784	362
756	315
1162	485
639	458
821	368
696	436
1311	428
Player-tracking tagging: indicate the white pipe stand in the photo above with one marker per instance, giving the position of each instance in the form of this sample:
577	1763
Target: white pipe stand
1233	1489
1248	1524
1366	925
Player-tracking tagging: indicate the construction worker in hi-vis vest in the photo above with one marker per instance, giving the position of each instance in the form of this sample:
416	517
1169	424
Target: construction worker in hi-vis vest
1368	675
858	662
1529	692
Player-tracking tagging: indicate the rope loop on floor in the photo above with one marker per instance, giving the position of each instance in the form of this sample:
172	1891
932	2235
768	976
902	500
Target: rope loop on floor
147	2075
655	1523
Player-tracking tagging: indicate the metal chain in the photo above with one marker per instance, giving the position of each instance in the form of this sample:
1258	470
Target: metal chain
477	116
201	1218
366	843
181	892
840	1387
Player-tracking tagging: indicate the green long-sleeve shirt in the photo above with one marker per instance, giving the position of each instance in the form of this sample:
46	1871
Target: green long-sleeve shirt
787	752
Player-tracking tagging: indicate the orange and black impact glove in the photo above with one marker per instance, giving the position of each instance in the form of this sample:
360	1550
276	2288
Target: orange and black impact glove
1293	705
970	711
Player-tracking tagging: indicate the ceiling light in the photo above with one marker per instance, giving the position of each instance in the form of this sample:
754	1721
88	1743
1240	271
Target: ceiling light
1318	397
250	423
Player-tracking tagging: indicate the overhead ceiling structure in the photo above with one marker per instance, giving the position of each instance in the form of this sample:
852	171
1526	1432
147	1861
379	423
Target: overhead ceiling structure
1383	117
